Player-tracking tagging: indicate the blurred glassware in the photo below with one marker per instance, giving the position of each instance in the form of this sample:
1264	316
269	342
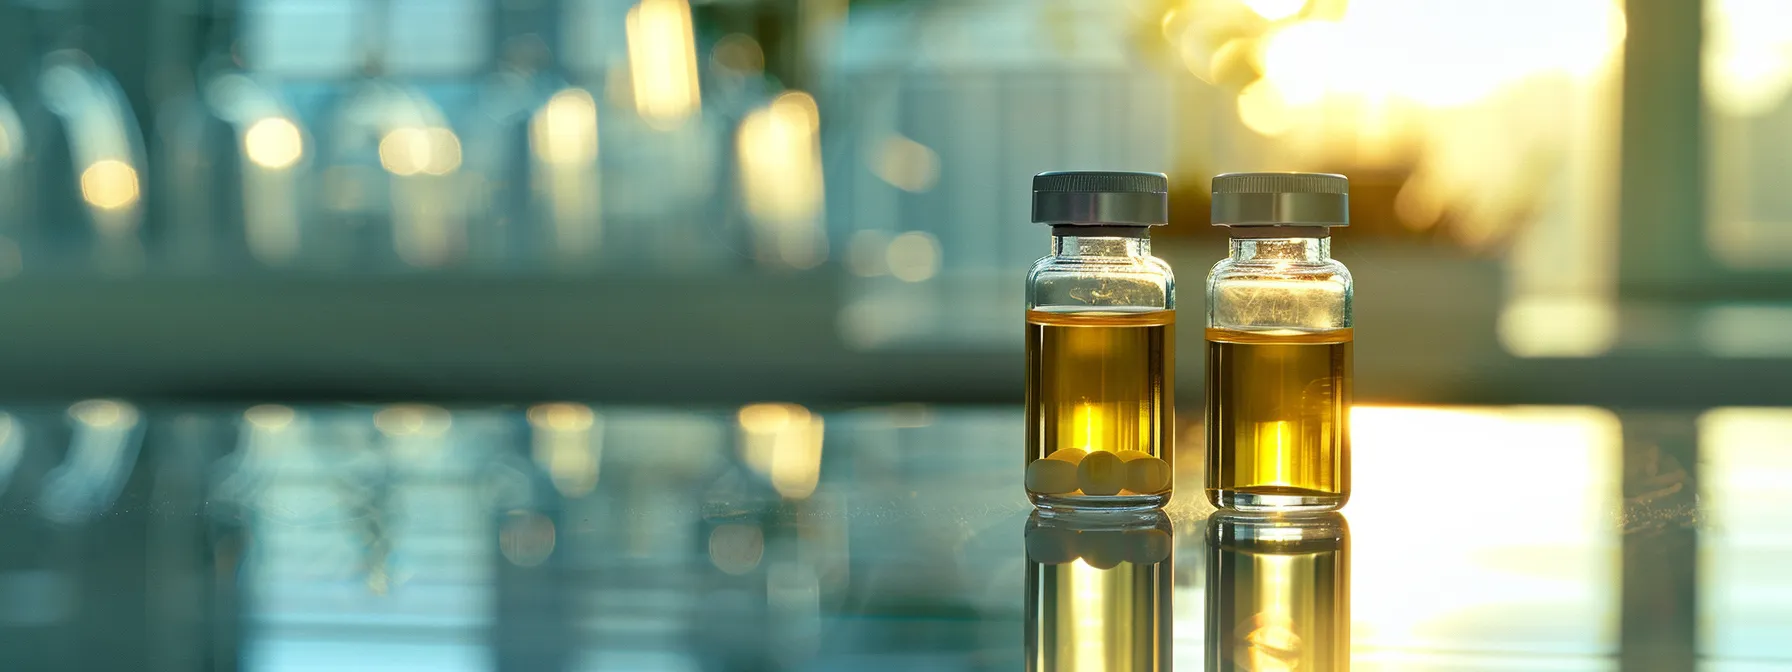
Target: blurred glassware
922	108
40	595
233	156
88	159
387	98
372	502
15	209
101	455
1098	592
1278	592
504	132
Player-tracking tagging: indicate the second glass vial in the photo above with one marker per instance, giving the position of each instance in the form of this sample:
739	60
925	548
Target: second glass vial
1279	335
1101	332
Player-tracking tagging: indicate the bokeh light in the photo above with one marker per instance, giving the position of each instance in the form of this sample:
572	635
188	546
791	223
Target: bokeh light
662	57
913	256
564	131
273	143
410	151
783	443
109	184
906	164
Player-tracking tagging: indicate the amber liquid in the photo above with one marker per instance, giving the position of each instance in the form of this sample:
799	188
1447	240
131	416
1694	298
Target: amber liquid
1107	611
1278	419
1271	607
1100	383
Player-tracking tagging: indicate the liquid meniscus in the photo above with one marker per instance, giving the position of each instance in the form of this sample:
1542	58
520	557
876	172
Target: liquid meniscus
1278	419
1100	404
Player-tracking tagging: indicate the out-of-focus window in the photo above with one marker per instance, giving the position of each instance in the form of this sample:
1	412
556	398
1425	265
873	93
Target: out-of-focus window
1747	78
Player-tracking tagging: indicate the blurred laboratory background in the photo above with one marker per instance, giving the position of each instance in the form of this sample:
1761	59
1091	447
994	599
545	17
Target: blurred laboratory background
685	334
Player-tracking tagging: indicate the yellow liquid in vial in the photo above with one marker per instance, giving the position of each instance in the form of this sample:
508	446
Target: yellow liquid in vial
1278	419
1081	618
1100	404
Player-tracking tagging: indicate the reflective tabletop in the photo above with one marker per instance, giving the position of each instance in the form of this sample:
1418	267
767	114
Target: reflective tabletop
562	536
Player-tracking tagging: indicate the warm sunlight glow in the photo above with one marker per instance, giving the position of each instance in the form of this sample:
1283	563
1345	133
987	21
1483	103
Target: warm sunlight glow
1444	554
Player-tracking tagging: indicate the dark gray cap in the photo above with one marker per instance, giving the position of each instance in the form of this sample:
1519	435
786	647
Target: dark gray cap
1281	199
1101	198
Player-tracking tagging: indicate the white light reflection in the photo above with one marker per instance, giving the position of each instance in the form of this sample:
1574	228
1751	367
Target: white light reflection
563	138
109	184
568	443
1745	462
408	151
1748	55
273	143
783	443
1276	10
564	132
913	256
1090	643
1558	326
1485	529
906	164
662	56
779	150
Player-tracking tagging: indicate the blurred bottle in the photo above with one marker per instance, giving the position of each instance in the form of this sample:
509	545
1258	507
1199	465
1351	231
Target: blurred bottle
85	153
1278	593
660	155
97	500
1098	593
14	206
37	594
532	142
231	153
531	579
385	84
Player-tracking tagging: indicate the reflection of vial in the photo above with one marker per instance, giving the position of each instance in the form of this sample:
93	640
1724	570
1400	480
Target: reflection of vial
1278	346
1278	592
1100	345
1098	594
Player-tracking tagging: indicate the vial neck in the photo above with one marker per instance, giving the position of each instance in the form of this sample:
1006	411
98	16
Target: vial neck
1126	246
1281	249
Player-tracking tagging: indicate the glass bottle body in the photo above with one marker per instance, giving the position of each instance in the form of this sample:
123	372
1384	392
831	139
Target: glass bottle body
1279	376
1278	592
1098	593
1100	362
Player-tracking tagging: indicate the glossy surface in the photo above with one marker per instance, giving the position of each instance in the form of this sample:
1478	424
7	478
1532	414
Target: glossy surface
775	536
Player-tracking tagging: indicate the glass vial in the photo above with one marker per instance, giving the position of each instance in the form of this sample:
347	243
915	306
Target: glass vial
1279	346
1098	593
1101	326
1278	592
